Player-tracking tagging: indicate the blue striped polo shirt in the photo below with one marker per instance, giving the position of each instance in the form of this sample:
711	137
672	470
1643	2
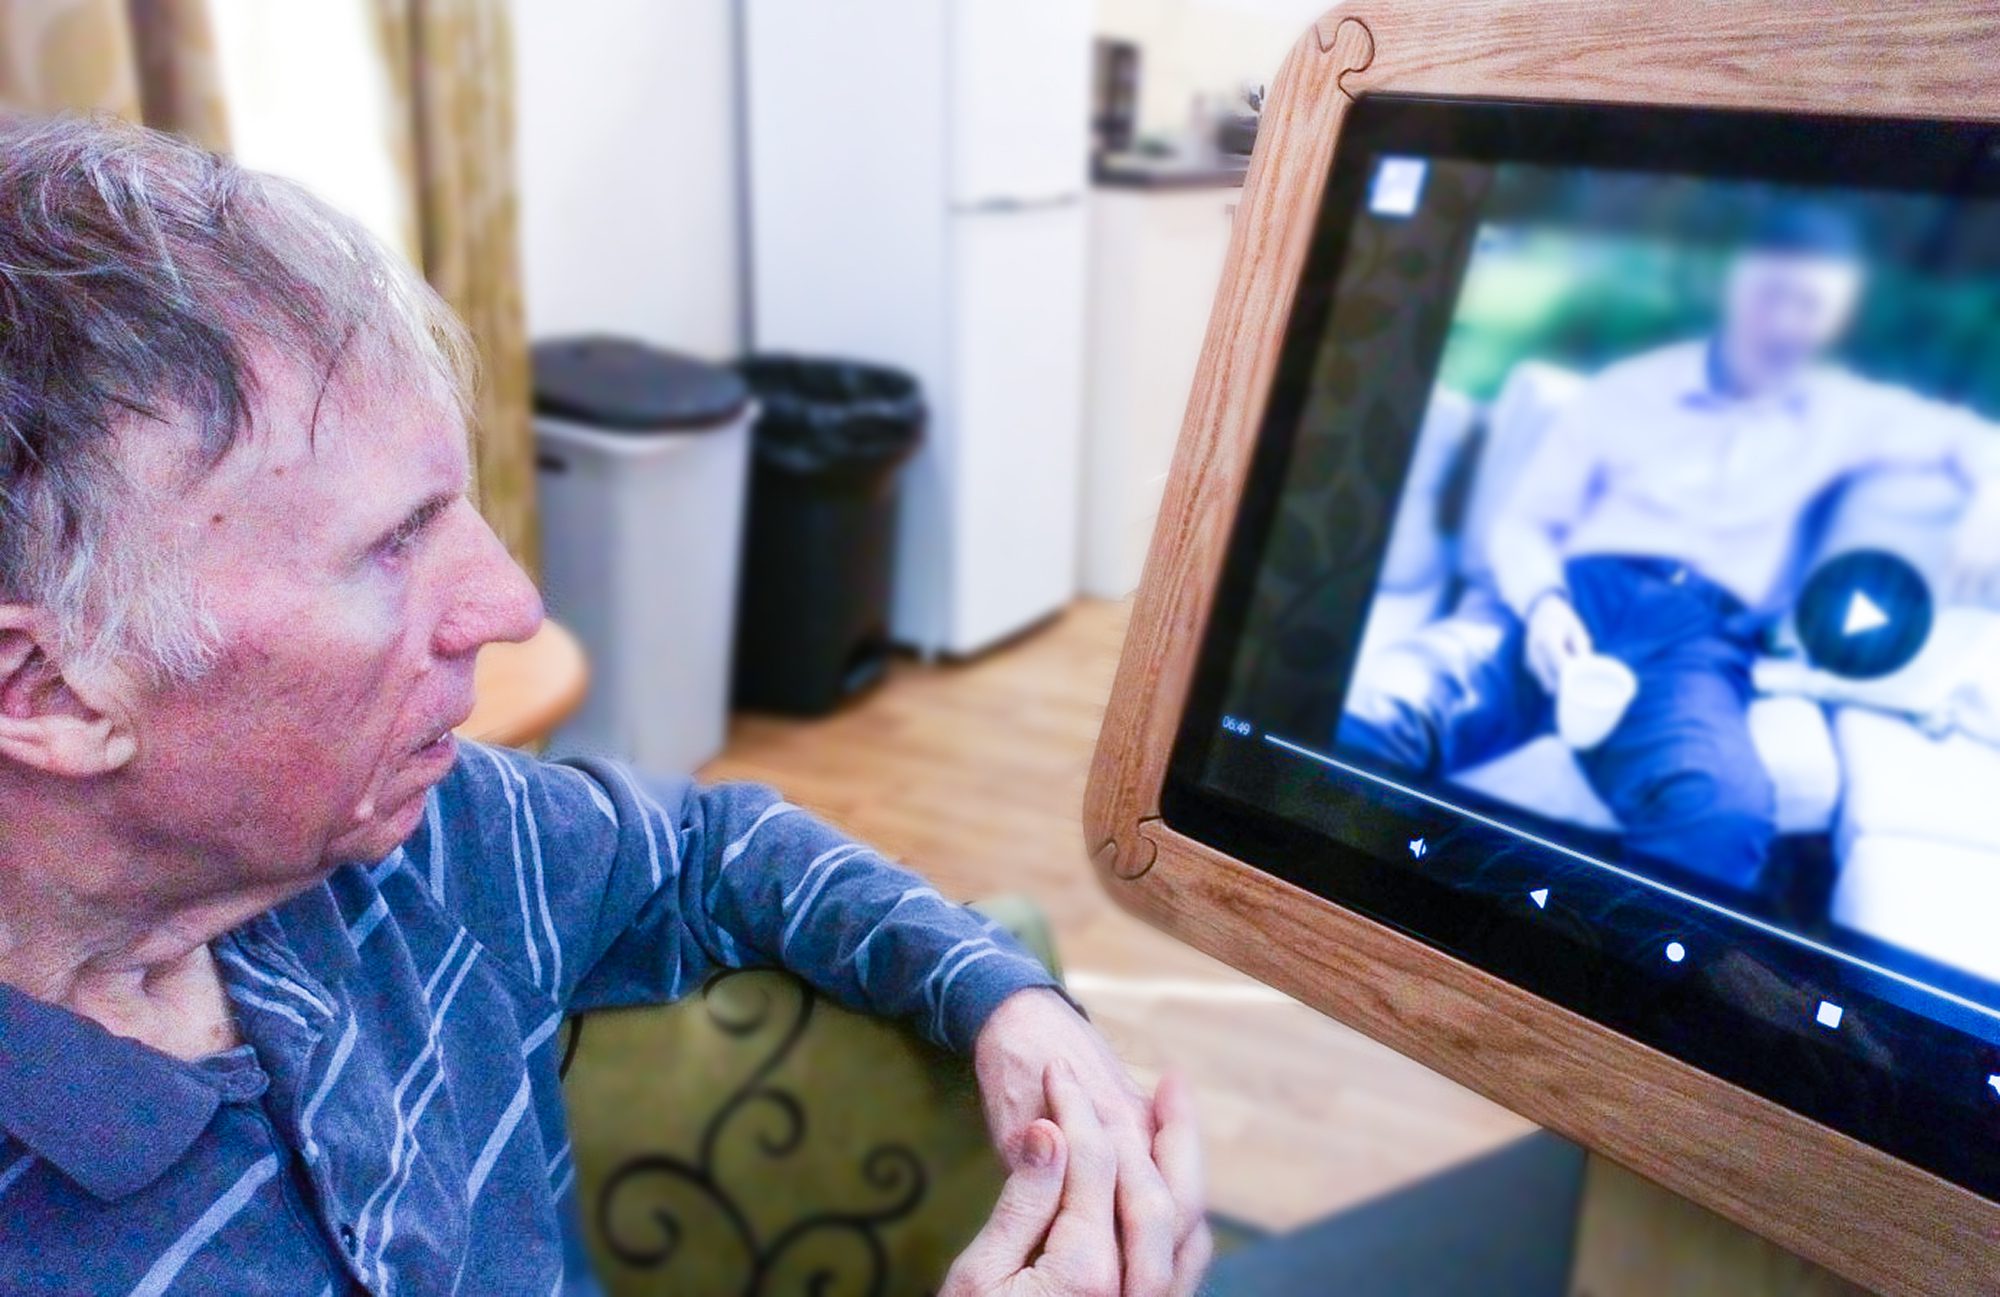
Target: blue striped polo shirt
393	1122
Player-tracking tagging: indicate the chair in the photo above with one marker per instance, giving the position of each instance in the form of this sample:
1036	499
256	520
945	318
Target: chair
756	1139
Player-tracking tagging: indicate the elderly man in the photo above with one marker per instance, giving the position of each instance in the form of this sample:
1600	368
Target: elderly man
281	963
1659	522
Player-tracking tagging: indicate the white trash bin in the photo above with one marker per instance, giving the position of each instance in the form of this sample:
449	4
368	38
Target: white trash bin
642	458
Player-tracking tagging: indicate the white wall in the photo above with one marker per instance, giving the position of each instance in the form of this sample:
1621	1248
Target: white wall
309	98
626	127
628	146
1206	47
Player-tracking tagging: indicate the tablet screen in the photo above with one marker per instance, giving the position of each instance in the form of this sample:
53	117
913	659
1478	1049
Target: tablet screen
1615	599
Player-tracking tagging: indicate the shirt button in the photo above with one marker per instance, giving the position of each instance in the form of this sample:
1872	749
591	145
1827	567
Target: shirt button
348	1240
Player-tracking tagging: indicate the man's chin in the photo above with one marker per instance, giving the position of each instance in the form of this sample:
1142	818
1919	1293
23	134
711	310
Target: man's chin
399	805
382	833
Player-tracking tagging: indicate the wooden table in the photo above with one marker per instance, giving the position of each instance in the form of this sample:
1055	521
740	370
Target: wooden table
522	692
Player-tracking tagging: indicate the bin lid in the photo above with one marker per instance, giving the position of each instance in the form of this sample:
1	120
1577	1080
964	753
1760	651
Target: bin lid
621	385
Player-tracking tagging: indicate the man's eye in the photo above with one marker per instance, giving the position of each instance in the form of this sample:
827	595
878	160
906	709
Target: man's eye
401	541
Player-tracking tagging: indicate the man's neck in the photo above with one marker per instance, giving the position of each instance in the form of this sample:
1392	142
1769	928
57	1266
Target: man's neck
177	1006
84	929
1726	379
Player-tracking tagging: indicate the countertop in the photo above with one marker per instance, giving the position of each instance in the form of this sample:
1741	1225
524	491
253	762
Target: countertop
1141	171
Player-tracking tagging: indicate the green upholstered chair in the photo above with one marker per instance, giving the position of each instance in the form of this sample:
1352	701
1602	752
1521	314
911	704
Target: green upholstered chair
757	1140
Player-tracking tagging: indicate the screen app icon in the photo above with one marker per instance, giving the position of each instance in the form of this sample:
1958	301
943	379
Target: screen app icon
1398	186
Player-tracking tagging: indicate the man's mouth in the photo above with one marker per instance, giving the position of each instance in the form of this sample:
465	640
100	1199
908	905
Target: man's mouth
437	741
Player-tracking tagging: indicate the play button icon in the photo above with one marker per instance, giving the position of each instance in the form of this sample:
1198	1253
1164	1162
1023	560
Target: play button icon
1864	614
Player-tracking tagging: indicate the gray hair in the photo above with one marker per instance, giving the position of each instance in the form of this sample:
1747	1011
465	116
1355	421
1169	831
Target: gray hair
139	276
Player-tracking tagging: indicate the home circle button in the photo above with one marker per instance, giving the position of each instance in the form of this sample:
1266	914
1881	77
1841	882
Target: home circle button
1864	614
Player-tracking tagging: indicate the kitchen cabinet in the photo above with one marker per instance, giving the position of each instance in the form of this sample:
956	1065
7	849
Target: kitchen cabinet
1157	248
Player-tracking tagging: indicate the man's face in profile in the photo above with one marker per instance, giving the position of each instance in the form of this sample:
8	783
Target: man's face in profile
1782	310
352	583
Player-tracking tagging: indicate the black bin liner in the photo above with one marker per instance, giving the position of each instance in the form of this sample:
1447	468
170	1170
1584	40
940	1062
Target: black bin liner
819	546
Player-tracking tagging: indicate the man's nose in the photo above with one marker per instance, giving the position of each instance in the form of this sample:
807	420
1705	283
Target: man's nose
493	600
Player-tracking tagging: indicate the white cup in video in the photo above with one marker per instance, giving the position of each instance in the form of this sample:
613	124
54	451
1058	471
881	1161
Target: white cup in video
1591	697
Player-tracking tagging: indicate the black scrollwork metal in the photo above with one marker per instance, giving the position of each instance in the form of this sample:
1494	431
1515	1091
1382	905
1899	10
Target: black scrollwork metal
892	1170
572	1030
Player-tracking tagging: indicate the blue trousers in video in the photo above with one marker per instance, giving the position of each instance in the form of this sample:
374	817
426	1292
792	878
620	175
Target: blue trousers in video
1679	772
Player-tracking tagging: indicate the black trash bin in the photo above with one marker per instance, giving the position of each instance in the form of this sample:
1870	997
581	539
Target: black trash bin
819	547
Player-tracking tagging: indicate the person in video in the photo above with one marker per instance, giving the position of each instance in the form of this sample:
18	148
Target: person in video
282	964
1658	524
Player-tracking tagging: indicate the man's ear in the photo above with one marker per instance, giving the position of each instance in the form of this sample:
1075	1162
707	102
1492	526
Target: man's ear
48	722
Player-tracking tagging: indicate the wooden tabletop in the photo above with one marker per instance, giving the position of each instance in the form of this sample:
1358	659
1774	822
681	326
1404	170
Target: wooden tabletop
522	692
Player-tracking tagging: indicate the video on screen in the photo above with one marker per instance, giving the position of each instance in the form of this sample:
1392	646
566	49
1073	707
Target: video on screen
1696	562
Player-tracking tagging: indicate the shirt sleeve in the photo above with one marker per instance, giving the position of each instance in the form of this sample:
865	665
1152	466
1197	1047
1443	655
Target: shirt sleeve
1547	500
1909	430
605	887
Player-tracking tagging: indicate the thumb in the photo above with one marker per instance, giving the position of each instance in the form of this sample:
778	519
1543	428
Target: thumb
1021	1218
1579	637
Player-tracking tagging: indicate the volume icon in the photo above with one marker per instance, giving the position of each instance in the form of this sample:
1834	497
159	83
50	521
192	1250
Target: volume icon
1418	848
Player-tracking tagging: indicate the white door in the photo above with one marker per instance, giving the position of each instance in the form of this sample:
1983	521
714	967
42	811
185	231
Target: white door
1018	285
1019	100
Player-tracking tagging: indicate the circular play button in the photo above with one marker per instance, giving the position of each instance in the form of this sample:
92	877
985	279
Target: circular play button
1864	614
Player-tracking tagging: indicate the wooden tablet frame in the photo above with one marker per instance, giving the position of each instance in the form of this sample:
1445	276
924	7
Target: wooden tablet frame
1828	1197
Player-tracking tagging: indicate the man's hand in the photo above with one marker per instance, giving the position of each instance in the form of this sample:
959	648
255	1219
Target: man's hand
1054	1232
1161	1244
1555	636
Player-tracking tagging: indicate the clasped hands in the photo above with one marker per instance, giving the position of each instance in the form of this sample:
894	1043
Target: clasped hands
1104	1196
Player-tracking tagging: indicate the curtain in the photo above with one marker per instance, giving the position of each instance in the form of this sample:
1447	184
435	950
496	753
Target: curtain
448	75
453	63
147	60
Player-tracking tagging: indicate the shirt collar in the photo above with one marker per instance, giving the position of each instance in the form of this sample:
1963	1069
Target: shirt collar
1701	385
316	933
108	1112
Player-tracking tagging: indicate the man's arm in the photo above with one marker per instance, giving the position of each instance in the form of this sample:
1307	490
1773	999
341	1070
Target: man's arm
602	887
1975	576
1925	433
1548	497
605	887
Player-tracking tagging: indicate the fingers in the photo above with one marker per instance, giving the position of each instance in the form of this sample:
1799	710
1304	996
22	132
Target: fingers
1545	661
1021	1218
1541	664
1192	1261
1577	644
1082	1252
1177	1152
1147	1213
1571	639
1555	637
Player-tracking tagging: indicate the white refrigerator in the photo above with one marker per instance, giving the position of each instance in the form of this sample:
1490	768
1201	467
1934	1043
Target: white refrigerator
914	192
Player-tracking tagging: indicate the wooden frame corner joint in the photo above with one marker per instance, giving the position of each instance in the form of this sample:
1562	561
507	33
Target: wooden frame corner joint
1129	856
1350	42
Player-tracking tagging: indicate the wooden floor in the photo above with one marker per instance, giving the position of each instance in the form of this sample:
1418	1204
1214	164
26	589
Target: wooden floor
974	775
